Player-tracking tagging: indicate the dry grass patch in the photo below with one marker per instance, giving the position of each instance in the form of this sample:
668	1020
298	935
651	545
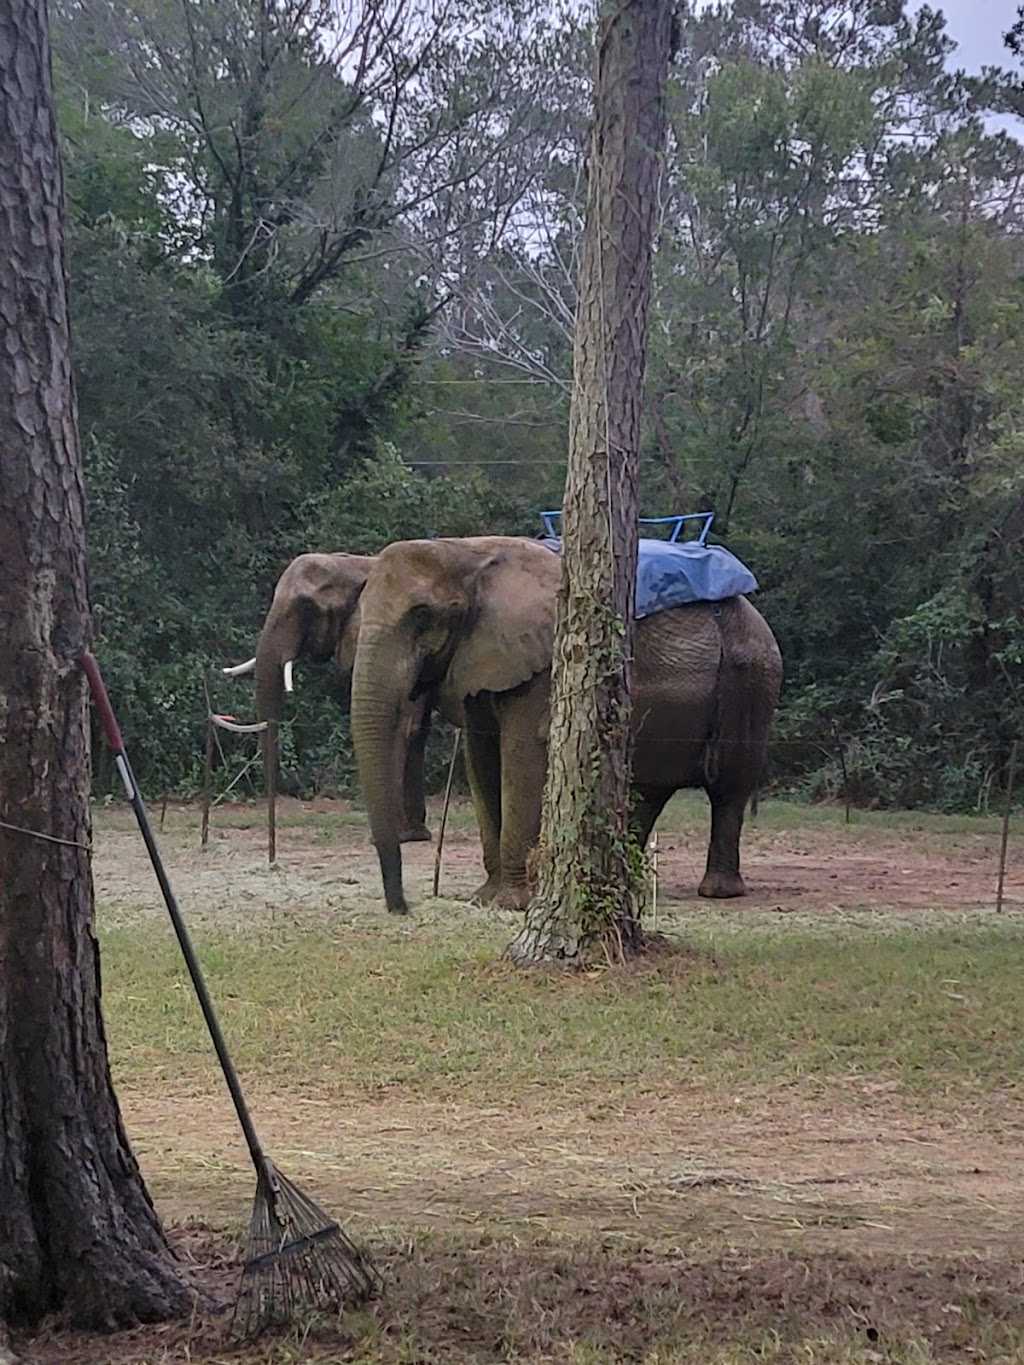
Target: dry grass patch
472	1299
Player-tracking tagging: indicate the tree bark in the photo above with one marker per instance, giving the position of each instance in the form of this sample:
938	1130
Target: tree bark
588	870
77	1229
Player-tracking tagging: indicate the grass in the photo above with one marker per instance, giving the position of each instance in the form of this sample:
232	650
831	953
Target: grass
456	1302
582	1304
484	1129
939	1010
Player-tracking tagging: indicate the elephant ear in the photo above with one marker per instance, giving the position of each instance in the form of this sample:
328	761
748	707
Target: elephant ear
345	654
510	630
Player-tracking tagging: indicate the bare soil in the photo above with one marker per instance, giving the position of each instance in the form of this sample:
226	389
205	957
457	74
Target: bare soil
554	1217
832	867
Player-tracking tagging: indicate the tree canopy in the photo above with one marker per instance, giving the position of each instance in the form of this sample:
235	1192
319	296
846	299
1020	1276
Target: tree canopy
323	277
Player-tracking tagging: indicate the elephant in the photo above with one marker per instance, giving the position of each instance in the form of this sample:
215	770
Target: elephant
315	616
473	620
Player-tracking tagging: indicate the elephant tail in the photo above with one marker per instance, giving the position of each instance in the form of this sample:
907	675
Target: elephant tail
746	694
713	742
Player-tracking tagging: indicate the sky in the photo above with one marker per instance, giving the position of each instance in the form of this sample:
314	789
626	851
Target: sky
977	27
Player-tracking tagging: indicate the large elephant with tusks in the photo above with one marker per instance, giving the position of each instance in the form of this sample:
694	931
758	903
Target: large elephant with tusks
473	619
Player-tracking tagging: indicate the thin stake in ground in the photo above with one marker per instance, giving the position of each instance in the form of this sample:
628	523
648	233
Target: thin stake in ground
444	812
1011	774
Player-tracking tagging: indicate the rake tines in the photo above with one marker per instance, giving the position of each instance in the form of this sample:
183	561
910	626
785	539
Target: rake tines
296	1255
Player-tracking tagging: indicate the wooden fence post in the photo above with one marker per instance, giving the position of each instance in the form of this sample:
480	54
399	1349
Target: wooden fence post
207	782
271	771
1011	774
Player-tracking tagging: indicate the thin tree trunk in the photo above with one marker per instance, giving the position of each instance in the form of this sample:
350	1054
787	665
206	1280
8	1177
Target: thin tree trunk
77	1229
586	900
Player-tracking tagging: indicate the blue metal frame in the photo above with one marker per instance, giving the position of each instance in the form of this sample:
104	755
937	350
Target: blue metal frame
677	524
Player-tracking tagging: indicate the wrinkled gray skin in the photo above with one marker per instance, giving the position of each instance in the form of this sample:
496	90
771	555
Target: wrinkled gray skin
314	616
474	618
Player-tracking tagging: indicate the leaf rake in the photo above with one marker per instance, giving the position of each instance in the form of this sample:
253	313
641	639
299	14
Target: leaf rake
296	1254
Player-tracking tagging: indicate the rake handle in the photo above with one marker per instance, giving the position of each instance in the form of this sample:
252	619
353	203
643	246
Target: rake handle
124	768
96	686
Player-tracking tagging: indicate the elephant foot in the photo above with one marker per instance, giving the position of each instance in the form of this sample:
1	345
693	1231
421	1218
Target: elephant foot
501	896
416	834
512	898
485	894
721	885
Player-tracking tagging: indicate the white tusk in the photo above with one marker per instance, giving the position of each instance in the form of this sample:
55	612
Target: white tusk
288	676
236	672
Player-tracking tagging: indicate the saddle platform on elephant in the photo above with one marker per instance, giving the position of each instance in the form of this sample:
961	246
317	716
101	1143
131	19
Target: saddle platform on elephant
670	574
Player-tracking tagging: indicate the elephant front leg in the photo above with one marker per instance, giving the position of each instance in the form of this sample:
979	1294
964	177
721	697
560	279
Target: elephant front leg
483	765
415	830
722	877
524	758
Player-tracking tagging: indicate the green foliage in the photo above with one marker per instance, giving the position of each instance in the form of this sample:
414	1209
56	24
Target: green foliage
236	367
910	605
513	431
385	500
259	273
836	373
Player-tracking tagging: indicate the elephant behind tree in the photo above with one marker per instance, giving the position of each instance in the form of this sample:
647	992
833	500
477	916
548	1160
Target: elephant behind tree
314	616
475	619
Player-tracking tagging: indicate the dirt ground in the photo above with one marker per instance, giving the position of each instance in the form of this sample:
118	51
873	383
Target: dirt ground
834	867
795	1184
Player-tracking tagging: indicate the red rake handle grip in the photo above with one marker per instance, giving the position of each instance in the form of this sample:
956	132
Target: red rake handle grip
99	692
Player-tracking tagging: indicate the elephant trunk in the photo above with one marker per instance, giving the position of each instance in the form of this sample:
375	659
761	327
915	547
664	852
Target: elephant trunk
279	643
269	693
380	690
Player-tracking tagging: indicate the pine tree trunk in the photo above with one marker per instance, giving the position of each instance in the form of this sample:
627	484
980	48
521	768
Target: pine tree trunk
585	902
77	1229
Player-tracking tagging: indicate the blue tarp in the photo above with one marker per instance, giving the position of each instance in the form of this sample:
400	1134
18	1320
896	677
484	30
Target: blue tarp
670	575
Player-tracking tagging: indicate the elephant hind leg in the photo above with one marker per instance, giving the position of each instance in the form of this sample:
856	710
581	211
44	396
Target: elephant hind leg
415	834
722	877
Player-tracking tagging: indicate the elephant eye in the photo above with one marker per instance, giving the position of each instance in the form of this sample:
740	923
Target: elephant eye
420	617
